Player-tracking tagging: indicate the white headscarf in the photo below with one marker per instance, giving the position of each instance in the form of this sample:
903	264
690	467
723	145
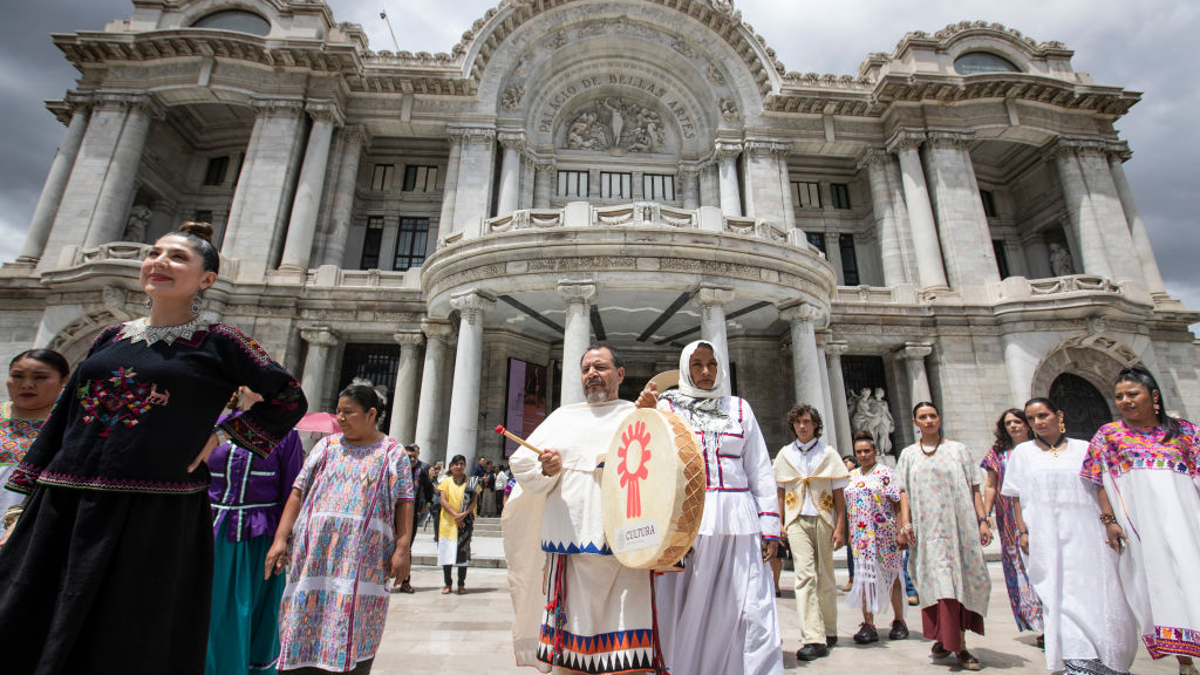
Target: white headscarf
687	386
704	409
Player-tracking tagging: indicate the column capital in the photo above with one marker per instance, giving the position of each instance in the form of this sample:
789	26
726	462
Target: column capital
804	312
905	139
1118	152
724	150
437	329
1066	146
409	338
543	166
764	147
581	291
836	348
915	351
949	138
471	134
472	304
356	134
277	107
714	296
146	103
511	140
319	336
875	157
325	111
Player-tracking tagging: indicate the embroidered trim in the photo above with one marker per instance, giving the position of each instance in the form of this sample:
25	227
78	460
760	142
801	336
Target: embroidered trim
243	342
103	484
245	434
1169	640
139	331
23	478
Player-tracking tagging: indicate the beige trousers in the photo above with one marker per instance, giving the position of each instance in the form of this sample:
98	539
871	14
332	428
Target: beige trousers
811	539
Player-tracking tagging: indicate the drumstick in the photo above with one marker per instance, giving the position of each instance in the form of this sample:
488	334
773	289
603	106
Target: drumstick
513	437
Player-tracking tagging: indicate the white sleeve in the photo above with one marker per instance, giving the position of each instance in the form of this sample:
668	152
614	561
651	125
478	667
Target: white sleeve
756	461
527	471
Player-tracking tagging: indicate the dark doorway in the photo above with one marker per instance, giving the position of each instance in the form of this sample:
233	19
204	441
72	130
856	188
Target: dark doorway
376	363
1084	408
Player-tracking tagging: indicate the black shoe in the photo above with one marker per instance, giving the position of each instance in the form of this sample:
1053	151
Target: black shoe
866	634
831	641
812	651
899	630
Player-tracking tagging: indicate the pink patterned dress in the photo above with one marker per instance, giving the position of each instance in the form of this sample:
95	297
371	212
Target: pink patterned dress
336	599
1154	489
1026	607
871	501
16	435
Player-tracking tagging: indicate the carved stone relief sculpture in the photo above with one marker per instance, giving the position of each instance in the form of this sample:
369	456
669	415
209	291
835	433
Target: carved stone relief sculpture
617	126
1061	263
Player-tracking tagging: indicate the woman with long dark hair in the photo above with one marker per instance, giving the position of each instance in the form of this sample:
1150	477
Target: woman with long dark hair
1146	468
460	501
1011	430
35	378
109	570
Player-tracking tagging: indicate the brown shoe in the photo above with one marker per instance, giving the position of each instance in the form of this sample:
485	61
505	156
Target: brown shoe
462	591
938	651
968	662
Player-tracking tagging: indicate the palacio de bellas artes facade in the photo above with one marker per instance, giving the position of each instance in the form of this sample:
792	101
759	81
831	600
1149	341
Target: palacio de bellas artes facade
951	222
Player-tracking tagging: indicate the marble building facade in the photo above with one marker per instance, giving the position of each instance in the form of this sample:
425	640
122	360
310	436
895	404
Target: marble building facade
952	222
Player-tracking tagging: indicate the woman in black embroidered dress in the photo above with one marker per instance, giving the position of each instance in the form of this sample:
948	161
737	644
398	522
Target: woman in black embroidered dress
109	569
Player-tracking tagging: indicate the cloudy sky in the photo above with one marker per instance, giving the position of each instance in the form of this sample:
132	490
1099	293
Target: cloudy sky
1147	46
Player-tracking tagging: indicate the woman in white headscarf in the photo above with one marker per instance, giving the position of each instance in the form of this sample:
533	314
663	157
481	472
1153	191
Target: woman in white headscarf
717	615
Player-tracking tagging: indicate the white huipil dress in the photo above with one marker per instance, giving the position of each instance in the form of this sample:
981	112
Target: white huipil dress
1072	569
717	616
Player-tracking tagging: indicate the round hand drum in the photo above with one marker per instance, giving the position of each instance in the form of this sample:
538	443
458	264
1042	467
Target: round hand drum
652	490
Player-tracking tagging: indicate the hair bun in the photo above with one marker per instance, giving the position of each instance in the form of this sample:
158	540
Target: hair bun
202	230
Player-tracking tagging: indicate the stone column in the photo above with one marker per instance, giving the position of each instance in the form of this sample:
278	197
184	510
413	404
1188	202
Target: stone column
473	196
837	391
914	354
1094	257
764	194
116	192
404	399
712	301
731	198
806	362
510	171
890	254
1110	215
924	234
1021	366
56	183
781	151
468	365
354	138
1137	228
689	179
968	255
1037	256
438	336
833	253
297	250
320	340
450	192
577	333
710	186
543	184
830	432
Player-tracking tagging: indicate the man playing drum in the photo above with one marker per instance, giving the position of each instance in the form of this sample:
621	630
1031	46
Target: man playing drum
592	615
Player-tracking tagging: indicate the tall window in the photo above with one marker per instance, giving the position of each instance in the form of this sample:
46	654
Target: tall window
573	184
849	259
371	242
816	239
616	185
840	194
806	195
1001	258
215	173
989	203
658	186
410	244
381	179
420	178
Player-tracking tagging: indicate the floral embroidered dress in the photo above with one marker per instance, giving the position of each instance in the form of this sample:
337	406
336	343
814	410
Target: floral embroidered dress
16	435
336	599
1154	489
1026	607
871	501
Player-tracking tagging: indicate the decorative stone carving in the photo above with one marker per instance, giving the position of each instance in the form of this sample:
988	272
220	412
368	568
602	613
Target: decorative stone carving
680	45
514	140
617	126
715	76
321	336
1061	263
135	225
556	41
510	101
870	413
729	111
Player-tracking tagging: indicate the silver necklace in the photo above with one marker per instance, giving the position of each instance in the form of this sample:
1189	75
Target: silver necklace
139	331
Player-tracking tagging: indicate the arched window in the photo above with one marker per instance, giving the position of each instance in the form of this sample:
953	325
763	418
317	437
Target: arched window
236	20
974	63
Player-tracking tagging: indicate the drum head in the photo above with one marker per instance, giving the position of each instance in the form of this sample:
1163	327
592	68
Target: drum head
652	490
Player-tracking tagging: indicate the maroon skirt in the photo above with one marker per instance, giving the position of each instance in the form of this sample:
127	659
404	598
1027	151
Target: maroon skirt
945	621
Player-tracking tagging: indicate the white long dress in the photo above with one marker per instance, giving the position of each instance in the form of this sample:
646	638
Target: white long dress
717	616
1073	571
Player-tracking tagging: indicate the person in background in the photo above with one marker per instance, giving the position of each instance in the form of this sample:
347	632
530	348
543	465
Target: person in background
422	495
437	474
1011	430
460	502
941	515
500	487
35	378
1146	469
351	512
480	468
247	494
851	465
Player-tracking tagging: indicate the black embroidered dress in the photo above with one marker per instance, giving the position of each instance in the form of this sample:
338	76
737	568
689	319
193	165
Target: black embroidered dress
110	567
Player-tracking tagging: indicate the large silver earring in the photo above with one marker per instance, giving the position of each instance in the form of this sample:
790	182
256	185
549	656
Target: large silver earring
149	303
196	306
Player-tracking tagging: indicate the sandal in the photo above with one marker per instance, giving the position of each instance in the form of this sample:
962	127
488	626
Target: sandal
938	651
968	662
462	591
446	590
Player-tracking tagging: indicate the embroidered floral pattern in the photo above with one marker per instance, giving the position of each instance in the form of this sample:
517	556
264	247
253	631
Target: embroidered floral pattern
120	399
15	438
1168	640
1117	449
243	341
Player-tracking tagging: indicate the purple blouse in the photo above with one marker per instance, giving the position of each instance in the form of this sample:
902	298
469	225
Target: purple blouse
252	490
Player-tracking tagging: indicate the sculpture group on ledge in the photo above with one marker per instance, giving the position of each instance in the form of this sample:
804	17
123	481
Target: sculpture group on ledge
870	413
617	126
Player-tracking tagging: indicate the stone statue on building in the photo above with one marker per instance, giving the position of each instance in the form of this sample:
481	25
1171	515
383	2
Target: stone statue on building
1061	263
869	412
135	226
616	125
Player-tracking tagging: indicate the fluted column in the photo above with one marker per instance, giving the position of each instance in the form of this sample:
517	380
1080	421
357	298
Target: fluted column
924	233
468	365
116	193
806	361
543	184
354	138
577	331
56	184
885	218
1137	227
712	301
781	152
450	191
439	334
297	250
1081	213
404	400
832	438
968	254
837	392
320	339
914	354
731	198
513	144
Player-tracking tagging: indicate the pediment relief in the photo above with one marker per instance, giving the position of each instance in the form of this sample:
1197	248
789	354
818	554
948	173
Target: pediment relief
616	125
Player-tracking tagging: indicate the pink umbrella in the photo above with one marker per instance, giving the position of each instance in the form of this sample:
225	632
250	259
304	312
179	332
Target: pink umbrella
318	424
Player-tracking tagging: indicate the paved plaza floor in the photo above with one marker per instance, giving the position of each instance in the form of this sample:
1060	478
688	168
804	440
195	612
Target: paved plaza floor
430	633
